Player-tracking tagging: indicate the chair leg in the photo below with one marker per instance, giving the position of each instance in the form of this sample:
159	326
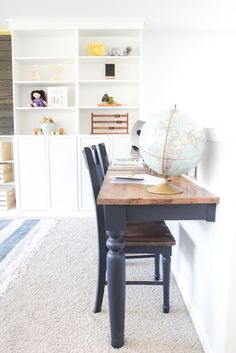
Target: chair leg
100	283
157	267
166	286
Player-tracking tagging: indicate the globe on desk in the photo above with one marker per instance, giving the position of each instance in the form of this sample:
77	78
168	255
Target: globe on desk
171	144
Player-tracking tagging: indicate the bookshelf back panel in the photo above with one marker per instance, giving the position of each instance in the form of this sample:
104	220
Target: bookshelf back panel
96	70
47	71
27	121
24	95
44	43
92	95
85	118
110	41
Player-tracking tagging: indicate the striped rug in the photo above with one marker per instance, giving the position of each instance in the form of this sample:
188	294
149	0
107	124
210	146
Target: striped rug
19	240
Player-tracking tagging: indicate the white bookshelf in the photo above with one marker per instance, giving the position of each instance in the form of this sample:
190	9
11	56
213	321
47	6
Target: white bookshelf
42	45
45	44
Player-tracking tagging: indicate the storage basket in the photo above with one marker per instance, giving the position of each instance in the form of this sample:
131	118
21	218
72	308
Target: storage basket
5	151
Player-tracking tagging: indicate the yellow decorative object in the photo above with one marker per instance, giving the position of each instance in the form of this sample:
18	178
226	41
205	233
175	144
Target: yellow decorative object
96	49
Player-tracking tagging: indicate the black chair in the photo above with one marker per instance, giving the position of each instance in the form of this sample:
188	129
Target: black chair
146	238
103	156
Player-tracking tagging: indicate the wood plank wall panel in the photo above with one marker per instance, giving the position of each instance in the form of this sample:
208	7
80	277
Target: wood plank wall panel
6	95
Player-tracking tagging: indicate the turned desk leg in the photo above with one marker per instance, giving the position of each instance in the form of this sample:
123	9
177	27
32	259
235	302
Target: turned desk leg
116	286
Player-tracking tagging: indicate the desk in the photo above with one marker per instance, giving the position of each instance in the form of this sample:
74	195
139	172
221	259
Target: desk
130	203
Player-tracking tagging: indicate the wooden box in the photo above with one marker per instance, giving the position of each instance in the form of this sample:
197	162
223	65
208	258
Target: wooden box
6	174
5	151
109	123
7	198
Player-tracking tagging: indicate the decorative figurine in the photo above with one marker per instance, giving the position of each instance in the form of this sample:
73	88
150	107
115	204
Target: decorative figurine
96	49
127	51
115	52
108	101
48	126
57	71
34	73
38	98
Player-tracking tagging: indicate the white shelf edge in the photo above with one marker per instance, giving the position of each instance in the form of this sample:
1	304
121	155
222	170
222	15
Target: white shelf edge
108	57
111	82
42	58
10	212
76	23
5	162
44	108
39	83
109	108
11	183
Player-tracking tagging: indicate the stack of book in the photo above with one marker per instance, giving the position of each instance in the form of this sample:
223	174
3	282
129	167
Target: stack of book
128	164
7	198
6	173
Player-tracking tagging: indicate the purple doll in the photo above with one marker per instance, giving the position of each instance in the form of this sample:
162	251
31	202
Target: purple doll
38	98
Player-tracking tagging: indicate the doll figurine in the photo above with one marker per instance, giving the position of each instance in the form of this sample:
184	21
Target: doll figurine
38	98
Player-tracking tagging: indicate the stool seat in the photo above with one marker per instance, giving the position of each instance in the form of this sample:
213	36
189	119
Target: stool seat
151	234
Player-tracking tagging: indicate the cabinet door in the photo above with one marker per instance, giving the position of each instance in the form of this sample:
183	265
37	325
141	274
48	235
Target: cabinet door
63	173
86	195
121	147
32	173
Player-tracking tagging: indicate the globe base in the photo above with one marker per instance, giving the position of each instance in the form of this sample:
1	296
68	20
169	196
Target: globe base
165	188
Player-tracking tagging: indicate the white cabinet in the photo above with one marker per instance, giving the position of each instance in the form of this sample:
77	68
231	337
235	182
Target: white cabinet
52	175
63	173
47	173
32	182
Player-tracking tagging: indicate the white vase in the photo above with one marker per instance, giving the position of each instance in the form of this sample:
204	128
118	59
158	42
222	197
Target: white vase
48	128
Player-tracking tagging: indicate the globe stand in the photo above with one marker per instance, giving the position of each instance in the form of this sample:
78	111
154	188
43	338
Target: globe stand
166	188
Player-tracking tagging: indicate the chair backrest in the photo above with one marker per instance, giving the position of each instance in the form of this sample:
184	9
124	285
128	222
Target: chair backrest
102	153
96	177
94	168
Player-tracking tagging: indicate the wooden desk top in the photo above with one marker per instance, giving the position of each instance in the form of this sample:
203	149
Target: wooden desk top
136	194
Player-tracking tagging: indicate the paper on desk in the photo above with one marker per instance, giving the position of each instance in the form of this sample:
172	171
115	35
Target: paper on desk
148	179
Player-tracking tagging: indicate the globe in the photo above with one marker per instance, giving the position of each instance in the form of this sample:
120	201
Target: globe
171	143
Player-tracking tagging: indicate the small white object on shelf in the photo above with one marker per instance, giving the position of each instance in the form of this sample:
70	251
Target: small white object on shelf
57	96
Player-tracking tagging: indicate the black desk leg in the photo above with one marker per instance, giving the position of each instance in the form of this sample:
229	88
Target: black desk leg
116	287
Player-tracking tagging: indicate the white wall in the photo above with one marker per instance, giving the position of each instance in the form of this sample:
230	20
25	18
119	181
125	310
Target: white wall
204	253
195	70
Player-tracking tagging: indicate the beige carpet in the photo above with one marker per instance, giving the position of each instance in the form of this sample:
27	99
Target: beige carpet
49	307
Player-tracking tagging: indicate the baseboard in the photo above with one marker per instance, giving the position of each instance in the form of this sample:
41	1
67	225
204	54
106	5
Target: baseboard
192	311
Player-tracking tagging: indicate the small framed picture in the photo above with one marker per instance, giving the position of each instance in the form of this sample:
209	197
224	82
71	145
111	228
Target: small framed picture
57	96
109	70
